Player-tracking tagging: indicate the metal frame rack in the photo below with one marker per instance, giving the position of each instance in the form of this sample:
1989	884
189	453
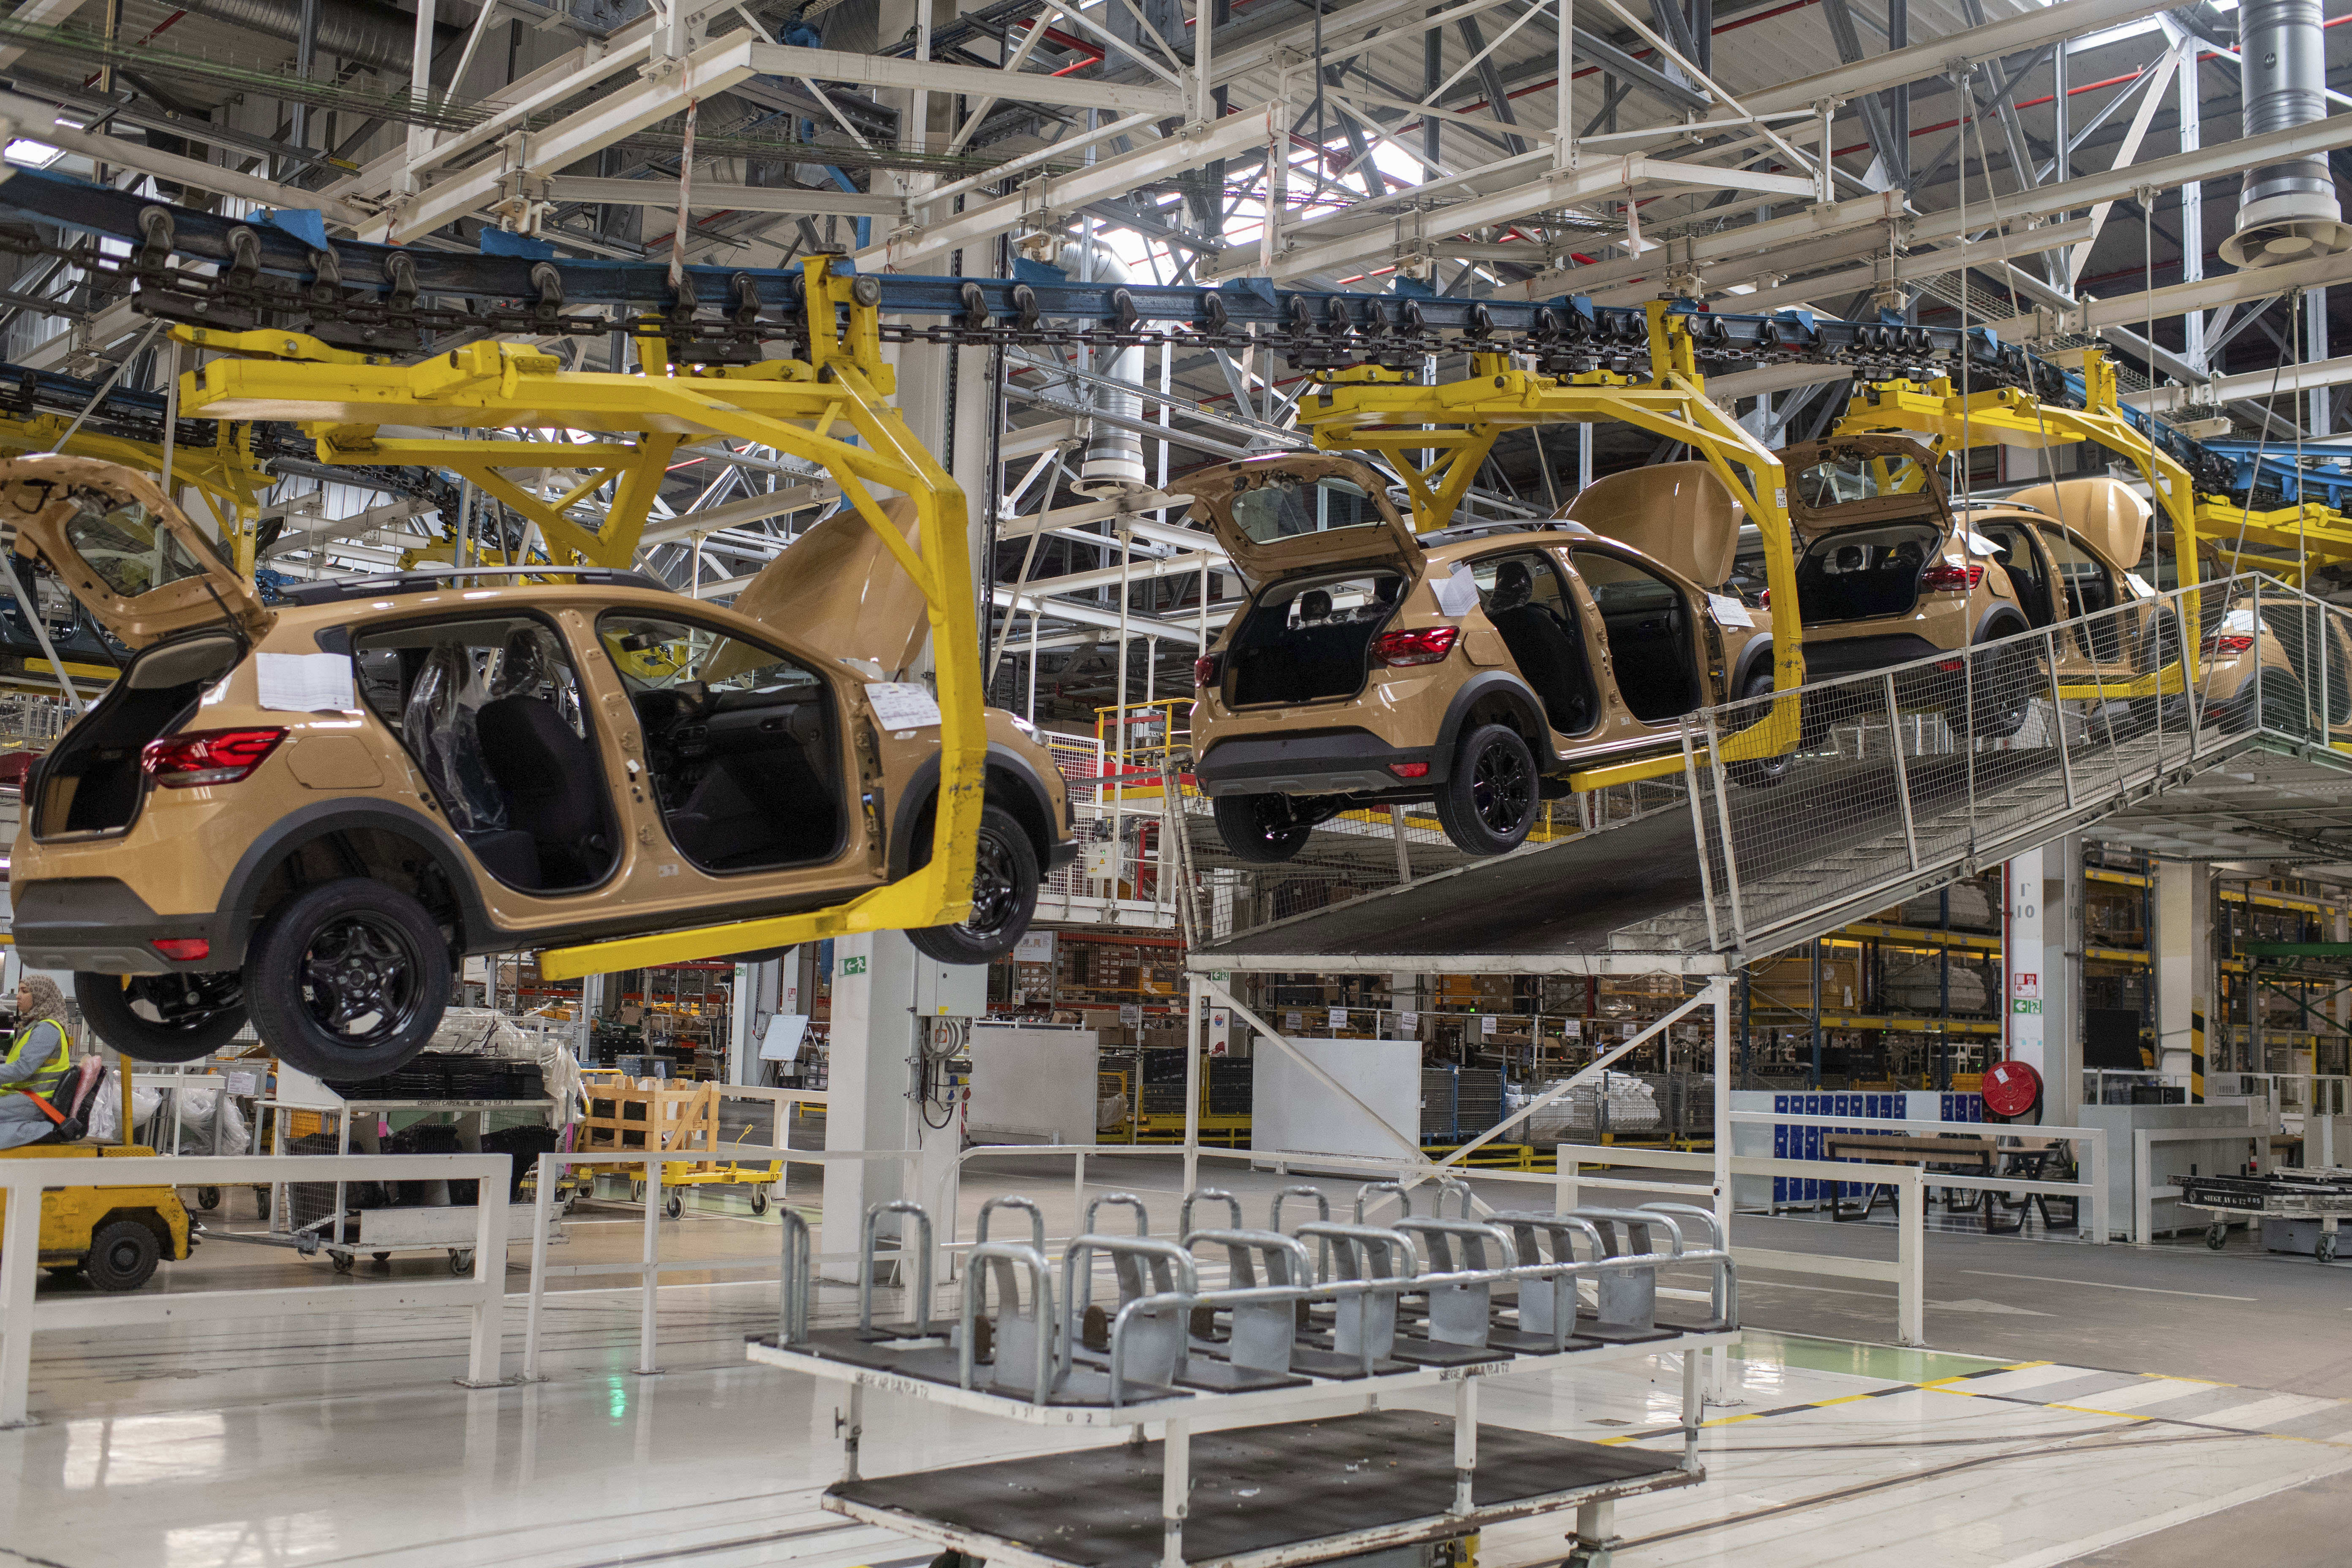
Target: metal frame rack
1413	1304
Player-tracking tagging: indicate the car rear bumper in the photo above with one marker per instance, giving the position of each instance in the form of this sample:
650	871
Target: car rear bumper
98	925
1334	762
1827	657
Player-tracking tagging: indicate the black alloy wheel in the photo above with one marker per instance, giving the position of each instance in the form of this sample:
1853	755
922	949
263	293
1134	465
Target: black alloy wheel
177	1017
1004	883
1489	801
1259	829
349	979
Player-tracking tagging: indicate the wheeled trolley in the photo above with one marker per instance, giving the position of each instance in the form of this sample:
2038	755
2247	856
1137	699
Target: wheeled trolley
2318	1196
1244	1471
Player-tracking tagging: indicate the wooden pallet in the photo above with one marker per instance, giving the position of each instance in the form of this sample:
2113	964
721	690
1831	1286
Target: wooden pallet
621	1115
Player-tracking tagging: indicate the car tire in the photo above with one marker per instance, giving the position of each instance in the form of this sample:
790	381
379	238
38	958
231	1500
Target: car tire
1758	772
1005	894
1245	824
123	1255
353	943
2285	709
194	1015
2003	699
1489	800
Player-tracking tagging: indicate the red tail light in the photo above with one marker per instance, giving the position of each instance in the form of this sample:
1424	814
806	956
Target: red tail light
1764	599
207	756
182	949
1427	646
1949	579
1410	770
2227	643
1207	670
1949	666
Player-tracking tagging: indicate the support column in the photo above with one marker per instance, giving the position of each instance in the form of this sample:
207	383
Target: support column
756	985
2184	936
2192	211
882	990
2318	418
2041	950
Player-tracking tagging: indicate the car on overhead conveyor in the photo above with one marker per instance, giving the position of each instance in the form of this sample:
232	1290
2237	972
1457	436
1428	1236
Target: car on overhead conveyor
1476	667
307	812
1893	573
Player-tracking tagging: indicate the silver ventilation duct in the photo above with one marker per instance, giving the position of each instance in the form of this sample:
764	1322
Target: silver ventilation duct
1113	466
2286	211
364	31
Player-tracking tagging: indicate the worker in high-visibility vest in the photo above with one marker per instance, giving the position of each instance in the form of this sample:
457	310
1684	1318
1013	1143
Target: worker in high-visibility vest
36	1063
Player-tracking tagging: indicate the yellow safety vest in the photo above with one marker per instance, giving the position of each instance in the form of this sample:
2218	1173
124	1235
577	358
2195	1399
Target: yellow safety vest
29	1043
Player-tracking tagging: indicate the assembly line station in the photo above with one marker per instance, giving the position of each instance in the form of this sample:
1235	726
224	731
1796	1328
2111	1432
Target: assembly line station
1776	1072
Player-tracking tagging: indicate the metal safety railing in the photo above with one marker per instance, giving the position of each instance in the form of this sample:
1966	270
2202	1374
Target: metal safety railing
1906	776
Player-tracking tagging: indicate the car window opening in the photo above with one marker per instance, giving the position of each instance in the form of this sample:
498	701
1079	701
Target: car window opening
1285	507
1861	573
491	712
742	743
1309	639
1523	595
1648	623
2014	554
91	781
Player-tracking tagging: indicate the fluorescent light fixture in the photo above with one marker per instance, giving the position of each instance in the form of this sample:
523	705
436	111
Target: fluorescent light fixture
31	153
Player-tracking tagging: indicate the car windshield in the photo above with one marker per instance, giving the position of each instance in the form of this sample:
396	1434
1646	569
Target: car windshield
1859	477
126	544
1285	507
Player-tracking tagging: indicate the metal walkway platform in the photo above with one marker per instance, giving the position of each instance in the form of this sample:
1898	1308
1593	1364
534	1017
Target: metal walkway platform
1883	802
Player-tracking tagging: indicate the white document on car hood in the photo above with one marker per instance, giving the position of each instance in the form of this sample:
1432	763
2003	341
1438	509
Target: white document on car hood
305	682
901	705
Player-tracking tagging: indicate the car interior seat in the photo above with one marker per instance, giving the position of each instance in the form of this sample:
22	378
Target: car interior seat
1548	652
548	771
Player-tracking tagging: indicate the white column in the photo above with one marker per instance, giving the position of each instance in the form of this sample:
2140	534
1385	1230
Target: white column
2318	420
2192	209
2184	936
882	989
2045	988
756	986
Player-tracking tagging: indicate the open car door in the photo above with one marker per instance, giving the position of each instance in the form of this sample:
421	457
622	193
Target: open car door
132	558
1290	512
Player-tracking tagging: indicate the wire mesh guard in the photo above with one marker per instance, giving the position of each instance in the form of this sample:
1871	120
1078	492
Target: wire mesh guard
1905	775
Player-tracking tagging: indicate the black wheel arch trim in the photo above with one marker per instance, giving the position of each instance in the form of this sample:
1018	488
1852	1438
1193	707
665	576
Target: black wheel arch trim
1987	629
1758	651
1477	689
923	786
233	927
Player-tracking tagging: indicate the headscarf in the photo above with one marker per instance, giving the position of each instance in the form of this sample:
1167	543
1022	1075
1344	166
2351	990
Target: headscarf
43	1000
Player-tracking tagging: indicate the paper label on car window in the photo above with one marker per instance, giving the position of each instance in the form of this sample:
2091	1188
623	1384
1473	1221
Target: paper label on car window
901	705
1457	595
2238	621
1979	545
1728	611
305	682
2140	590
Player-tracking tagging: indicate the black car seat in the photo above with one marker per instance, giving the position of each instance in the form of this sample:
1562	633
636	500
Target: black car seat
1548	652
549	773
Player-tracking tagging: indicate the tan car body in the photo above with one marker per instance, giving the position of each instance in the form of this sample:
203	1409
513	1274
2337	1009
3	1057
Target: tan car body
341	791
1391	737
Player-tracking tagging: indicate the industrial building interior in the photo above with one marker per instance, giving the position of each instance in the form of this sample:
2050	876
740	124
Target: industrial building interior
1404	782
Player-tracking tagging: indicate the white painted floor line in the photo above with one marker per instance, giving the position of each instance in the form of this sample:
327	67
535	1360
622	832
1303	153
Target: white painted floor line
2155	1391
2102	1285
2270	1412
2051	1556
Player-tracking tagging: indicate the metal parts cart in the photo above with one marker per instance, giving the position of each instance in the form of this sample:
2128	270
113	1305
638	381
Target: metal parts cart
1236	1480
2321	1194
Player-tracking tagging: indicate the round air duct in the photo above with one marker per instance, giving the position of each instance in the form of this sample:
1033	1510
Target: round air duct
2287	211
1113	465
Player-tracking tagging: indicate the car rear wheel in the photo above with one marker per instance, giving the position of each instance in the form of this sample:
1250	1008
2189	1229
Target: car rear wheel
349	979
2005	685
123	1255
1003	894
1489	801
162	1018
1259	829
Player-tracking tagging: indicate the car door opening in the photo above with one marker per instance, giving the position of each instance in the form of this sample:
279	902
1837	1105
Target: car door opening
1527	604
742	743
1649	627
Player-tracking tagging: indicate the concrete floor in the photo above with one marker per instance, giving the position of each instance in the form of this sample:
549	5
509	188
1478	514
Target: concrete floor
2194	1412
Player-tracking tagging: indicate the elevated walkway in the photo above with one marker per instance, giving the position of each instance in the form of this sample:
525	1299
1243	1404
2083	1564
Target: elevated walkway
1895	791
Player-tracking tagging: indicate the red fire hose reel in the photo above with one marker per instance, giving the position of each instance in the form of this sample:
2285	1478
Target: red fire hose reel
2011	1089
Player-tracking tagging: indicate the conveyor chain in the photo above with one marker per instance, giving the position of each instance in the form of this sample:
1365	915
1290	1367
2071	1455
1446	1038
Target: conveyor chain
381	300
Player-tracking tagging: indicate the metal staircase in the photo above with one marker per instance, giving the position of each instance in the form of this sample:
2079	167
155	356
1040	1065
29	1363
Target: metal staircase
1905	780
